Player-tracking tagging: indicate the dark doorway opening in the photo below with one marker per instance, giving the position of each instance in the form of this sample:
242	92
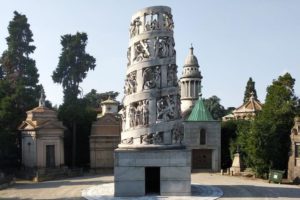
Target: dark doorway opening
50	156
202	159
152	180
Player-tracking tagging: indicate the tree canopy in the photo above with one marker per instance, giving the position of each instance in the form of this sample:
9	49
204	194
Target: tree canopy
215	108
74	63
73	66
19	88
94	98
268	140
250	90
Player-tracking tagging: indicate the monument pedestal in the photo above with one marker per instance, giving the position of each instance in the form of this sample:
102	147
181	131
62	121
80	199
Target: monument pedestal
162	171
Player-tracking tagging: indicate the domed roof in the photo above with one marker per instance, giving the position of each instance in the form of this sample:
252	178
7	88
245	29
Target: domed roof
191	59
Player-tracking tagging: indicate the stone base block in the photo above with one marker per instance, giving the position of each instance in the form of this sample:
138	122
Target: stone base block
174	171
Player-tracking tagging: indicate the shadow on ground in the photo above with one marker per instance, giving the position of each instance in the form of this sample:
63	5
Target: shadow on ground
245	191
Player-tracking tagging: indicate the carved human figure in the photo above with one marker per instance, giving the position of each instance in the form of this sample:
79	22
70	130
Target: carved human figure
147	26
169	23
129	56
131	116
130	83
145	111
134	27
164	50
156	47
171	44
148	80
138	113
172	75
123	116
141	50
165	108
177	135
157	76
154	25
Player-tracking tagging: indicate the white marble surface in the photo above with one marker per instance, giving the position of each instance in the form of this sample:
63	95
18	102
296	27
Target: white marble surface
106	192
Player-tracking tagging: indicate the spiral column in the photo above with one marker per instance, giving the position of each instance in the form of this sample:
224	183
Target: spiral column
152	128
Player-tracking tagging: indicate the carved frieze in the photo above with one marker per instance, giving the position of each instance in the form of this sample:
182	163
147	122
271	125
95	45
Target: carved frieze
151	77
139	113
130	83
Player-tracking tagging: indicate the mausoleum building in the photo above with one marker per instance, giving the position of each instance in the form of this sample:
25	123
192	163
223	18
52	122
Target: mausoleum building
294	159
42	138
105	136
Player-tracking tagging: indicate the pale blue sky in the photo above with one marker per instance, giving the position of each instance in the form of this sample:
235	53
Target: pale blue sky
233	40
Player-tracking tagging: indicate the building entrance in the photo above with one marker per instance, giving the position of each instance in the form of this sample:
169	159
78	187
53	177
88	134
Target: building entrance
152	180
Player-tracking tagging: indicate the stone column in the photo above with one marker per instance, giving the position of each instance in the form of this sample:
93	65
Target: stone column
152	137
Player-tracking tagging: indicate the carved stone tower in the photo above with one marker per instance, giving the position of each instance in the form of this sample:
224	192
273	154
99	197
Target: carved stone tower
151	157
190	82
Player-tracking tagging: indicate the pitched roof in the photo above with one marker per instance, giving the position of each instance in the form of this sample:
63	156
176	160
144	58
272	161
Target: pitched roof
253	105
200	112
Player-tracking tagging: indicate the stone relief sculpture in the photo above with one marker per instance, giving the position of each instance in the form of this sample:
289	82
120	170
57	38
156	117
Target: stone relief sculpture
152	23
123	117
165	109
151	77
145	111
164	47
152	138
135	27
129	56
172	75
139	114
177	134
130	83
141	50
169	23
127	141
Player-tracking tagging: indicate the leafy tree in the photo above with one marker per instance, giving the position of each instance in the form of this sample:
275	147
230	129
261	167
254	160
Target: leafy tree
214	107
73	65
268	137
19	89
94	99
250	88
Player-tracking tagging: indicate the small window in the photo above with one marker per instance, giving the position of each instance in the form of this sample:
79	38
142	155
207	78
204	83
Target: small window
202	136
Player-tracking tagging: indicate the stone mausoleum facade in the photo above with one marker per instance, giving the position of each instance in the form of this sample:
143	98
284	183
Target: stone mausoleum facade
151	157
105	137
294	159
42	139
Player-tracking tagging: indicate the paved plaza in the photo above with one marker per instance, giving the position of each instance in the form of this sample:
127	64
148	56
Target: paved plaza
232	187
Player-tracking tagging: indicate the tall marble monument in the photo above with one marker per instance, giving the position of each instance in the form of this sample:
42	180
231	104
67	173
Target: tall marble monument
151	157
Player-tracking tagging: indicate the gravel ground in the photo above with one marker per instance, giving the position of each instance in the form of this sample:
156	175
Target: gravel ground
232	187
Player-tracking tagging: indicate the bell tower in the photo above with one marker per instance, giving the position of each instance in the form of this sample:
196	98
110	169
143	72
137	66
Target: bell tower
190	81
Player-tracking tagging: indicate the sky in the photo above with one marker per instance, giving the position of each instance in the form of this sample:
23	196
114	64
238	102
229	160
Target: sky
232	39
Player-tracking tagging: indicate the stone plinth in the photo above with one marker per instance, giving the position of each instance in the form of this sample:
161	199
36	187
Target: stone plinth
236	167
174	166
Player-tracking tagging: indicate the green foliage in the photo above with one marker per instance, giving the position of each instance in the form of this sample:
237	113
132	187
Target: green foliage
77	116
94	99
268	141
250	89
214	107
228	134
82	115
19	89
74	63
